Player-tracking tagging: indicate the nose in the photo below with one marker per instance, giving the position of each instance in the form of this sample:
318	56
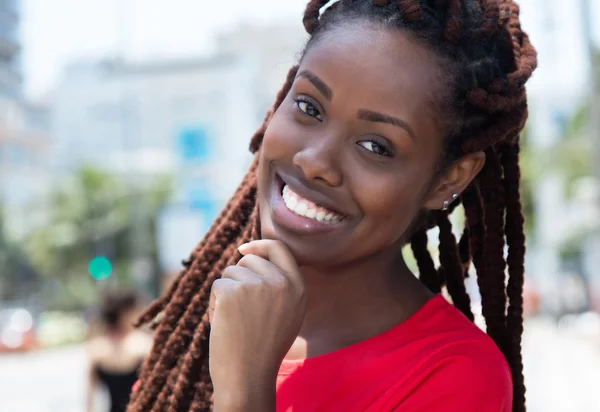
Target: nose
319	162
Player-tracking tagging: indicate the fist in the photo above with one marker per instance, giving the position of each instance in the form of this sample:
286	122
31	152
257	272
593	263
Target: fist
256	310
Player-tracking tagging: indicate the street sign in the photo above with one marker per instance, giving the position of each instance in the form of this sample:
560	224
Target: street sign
193	144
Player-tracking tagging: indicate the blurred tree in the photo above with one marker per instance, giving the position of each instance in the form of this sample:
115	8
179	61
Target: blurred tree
573	158
91	215
570	157
573	155
528	177
17	276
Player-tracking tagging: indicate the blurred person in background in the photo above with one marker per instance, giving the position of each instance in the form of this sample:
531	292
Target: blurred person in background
298	298
117	352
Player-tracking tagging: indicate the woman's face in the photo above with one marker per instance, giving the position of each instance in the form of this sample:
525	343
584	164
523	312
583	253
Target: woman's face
349	158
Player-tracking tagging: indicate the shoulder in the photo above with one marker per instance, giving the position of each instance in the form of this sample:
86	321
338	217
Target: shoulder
467	376
477	362
139	343
467	351
463	370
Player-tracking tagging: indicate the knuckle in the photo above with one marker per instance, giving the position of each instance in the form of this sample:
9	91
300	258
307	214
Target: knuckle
229	272
280	283
246	260
277	243
217	286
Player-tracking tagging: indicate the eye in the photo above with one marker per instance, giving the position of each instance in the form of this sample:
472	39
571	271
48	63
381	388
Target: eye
376	148
309	109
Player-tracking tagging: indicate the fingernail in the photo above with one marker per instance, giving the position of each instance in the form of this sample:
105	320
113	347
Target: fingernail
242	247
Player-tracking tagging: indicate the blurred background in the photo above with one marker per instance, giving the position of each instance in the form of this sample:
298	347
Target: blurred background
124	127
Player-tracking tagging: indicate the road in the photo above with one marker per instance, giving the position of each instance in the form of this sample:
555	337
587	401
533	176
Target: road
562	372
45	381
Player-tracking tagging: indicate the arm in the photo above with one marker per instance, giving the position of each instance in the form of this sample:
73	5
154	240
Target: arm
91	387
245	398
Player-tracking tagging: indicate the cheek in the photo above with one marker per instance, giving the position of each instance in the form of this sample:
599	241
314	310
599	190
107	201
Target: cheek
282	135
391	203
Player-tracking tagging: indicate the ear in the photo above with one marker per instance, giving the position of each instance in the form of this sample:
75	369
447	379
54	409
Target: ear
455	180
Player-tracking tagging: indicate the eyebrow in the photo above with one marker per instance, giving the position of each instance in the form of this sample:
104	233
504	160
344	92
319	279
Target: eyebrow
372	116
363	114
318	83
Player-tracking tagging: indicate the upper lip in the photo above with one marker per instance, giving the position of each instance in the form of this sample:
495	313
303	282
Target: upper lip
301	188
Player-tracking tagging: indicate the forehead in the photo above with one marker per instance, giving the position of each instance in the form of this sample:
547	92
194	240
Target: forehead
382	66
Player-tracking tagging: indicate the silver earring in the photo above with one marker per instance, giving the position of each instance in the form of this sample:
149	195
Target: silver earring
447	203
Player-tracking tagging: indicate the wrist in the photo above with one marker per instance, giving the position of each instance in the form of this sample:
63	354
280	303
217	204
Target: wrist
253	396
248	402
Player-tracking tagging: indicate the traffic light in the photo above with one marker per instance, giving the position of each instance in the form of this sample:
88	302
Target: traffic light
100	268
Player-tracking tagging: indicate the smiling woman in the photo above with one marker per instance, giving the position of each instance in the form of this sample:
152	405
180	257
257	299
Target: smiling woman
397	112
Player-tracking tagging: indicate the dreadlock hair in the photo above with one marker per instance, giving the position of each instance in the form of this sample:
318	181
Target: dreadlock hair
490	60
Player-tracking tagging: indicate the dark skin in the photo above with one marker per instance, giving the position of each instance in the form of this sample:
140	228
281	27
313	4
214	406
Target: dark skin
365	144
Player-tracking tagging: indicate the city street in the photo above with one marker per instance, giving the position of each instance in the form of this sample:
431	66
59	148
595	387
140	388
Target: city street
562	372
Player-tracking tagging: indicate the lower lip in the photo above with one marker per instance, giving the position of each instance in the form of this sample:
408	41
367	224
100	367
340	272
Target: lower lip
284	217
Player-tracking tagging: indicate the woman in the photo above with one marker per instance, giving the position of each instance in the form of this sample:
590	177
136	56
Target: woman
116	355
398	112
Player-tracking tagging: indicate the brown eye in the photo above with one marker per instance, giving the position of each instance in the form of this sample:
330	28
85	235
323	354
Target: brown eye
375	148
308	108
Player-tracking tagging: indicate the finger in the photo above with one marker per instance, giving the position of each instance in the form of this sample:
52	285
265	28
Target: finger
259	265
277	253
220	287
240	274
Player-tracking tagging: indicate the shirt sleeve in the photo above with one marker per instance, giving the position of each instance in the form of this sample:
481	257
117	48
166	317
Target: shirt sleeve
463	378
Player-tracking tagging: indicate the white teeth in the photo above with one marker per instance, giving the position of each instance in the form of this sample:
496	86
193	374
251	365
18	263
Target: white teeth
301	208
291	202
304	208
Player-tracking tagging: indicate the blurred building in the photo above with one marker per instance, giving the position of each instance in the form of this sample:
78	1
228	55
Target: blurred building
192	118
187	117
24	179
109	112
10	51
23	138
275	48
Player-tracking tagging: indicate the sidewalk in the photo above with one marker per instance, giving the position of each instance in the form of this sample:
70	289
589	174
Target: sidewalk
562	372
562	369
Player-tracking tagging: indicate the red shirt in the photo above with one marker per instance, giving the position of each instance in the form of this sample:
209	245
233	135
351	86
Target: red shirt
437	360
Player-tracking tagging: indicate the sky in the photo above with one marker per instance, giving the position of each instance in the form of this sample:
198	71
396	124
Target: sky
55	32
58	31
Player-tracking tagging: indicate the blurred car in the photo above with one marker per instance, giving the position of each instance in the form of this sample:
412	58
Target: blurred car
17	332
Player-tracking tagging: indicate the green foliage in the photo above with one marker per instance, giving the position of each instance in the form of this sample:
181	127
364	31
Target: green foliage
572	158
91	214
528	178
572	155
16	273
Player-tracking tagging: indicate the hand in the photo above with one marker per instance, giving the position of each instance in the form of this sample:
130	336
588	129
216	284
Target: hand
256	310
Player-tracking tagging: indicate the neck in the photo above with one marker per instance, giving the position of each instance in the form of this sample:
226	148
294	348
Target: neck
117	333
360	298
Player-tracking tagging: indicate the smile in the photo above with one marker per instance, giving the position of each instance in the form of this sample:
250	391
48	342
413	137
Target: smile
304	207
